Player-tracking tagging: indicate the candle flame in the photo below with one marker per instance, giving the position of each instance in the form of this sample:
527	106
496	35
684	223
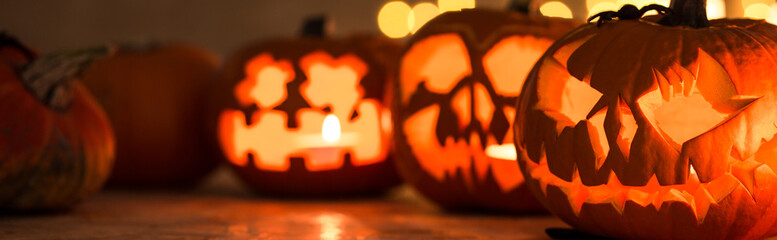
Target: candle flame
330	130
505	151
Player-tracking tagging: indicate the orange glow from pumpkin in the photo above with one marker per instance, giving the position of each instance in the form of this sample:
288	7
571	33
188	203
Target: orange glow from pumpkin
696	104
694	193
684	104
439	64
511	59
505	151
265	83
322	139
562	96
440	60
441	160
331	226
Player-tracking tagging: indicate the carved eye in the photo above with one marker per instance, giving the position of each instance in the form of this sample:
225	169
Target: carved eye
508	63
332	83
438	61
686	105
265	82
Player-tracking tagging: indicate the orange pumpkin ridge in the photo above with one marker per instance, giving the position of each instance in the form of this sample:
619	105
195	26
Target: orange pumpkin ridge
155	95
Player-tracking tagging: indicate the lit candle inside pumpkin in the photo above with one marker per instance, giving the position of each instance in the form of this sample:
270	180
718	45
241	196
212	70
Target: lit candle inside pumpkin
330	130
505	151
328	146
321	138
331	136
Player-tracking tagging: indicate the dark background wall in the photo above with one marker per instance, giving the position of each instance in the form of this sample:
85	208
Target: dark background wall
218	25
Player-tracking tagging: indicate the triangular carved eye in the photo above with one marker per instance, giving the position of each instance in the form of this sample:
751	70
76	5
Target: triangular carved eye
439	61
686	105
508	63
563	97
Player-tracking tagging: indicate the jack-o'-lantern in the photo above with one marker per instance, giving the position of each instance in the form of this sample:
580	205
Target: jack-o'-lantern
308	115
459	79
646	129
56	144
154	94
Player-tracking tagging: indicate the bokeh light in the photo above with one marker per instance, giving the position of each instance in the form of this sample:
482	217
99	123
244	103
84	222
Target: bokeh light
393	19
455	5
602	6
420	14
773	16
555	9
758	11
716	9
642	3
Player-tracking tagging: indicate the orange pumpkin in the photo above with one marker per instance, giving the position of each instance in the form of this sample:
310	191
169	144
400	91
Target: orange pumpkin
459	79
155	95
646	129
306	116
56	144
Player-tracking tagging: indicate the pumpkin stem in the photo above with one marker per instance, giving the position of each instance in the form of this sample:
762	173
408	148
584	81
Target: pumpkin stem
50	77
8	40
138	46
317	26
521	6
689	13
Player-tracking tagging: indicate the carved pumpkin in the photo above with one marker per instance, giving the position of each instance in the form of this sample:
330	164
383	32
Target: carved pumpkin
459	79
56	144
646	130
307	116
155	95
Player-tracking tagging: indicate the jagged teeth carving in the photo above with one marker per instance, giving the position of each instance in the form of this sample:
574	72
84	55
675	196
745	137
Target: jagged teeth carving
744	171
722	186
699	196
703	200
576	196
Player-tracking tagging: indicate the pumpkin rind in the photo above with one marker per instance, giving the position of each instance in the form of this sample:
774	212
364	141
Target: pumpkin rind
156	97
646	179
49	159
441	138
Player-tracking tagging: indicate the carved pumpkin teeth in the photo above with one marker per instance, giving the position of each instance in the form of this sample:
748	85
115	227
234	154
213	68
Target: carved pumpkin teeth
744	171
698	196
702	201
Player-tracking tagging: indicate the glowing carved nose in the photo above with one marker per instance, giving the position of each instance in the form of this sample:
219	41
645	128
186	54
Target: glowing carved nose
330	130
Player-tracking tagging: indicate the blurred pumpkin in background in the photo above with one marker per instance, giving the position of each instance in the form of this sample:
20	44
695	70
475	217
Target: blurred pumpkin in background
646	129
458	82
155	96
307	116
56	144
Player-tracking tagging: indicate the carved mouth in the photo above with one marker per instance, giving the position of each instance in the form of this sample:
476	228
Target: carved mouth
455	154
272	144
744	175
